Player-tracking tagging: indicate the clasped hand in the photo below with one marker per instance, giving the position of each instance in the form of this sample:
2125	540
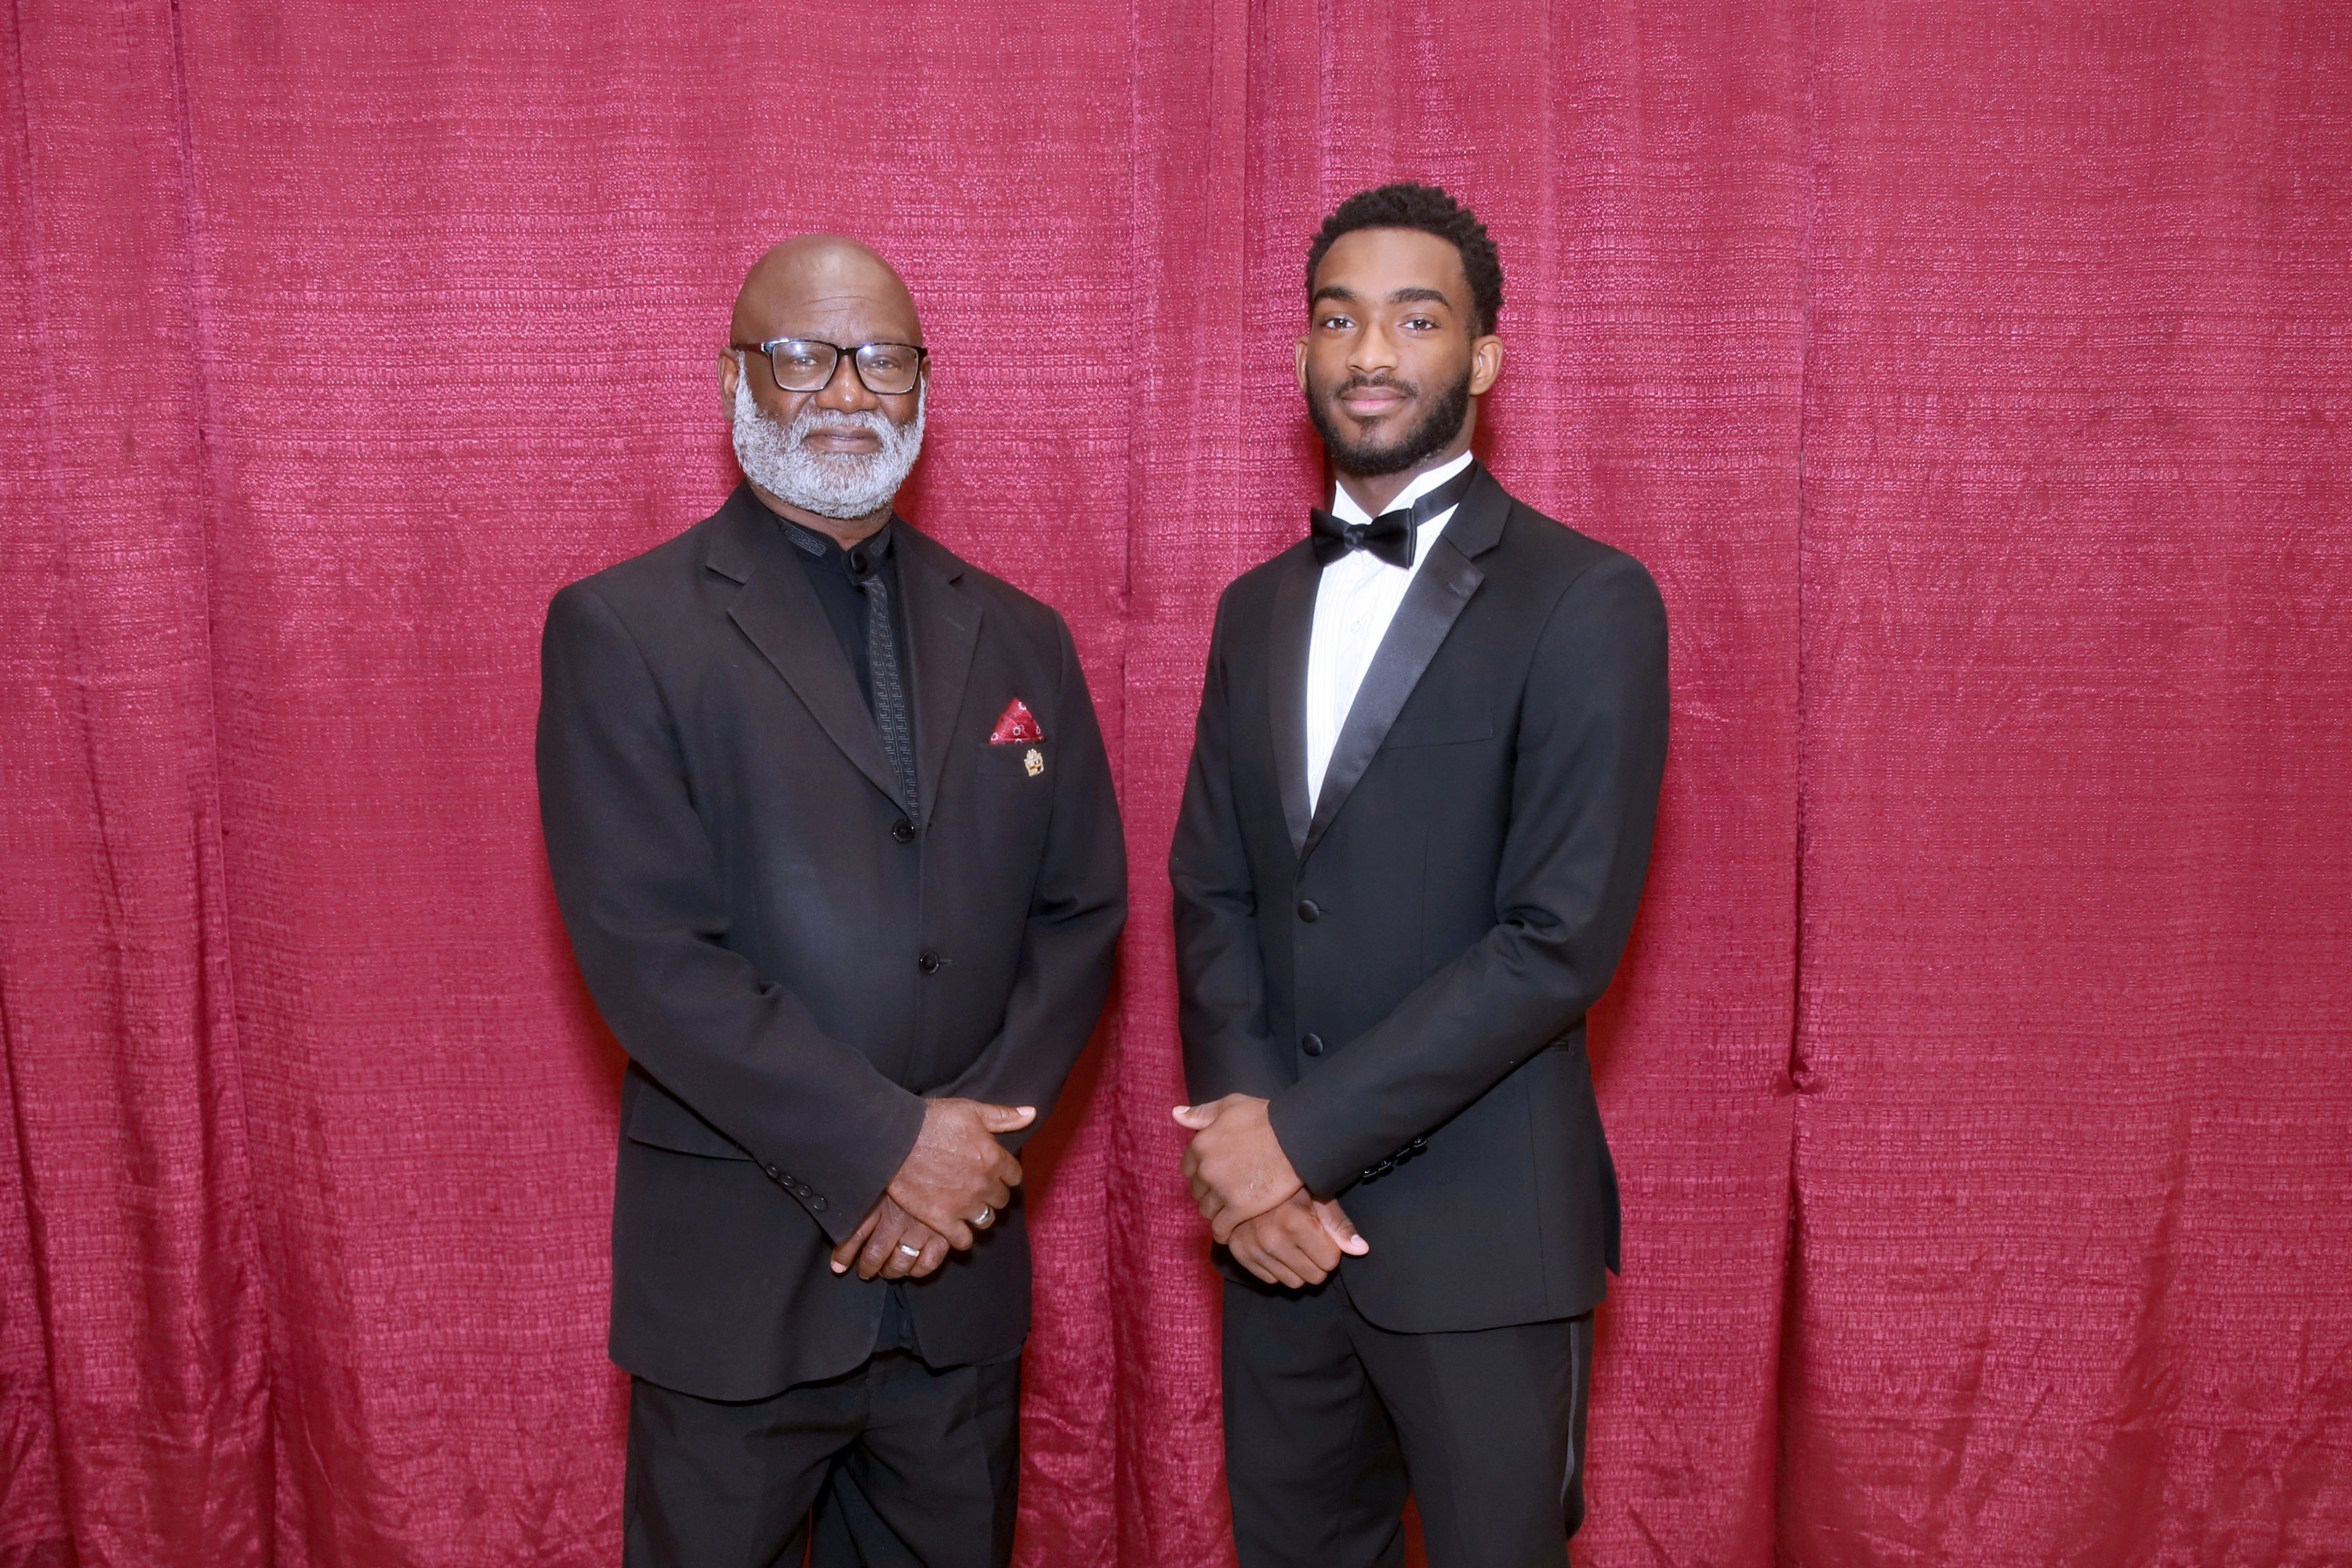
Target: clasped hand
955	1181
1253	1198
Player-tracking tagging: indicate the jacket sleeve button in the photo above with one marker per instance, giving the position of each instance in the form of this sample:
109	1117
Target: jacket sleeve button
817	1202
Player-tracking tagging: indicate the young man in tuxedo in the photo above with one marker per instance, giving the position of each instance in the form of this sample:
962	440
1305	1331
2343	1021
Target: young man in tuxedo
1413	837
833	832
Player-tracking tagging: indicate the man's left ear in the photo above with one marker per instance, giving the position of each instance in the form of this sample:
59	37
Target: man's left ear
1486	365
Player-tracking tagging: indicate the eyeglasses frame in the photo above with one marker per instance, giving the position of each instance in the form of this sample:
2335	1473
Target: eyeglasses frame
767	351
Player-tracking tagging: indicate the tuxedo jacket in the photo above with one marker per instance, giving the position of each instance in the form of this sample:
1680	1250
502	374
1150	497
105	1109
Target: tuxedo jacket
1403	971
792	963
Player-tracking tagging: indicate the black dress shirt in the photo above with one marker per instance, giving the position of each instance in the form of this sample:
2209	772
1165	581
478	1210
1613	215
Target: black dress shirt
835	573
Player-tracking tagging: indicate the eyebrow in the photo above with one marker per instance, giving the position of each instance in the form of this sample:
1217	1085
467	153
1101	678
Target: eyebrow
1406	296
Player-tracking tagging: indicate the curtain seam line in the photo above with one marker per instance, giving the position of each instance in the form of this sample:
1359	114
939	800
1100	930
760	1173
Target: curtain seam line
1792	1247
193	230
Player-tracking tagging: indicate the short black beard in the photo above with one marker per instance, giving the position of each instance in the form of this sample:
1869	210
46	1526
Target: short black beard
1435	432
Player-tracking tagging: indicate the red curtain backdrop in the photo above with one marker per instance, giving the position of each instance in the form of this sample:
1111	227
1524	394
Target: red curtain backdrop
1977	379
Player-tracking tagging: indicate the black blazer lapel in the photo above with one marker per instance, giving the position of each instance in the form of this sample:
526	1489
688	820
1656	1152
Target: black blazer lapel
777	609
1286	665
943	632
1441	590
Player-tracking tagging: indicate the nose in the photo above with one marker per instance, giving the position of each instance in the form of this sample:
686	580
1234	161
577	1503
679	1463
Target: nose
845	391
1373	351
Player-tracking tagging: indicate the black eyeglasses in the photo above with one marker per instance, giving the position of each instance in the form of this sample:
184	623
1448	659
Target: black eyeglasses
807	365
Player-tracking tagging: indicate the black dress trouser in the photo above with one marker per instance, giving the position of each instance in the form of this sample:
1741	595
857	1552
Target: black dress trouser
1330	1421
892	1466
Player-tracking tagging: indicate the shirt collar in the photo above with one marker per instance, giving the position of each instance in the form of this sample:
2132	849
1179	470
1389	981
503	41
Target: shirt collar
861	558
1344	507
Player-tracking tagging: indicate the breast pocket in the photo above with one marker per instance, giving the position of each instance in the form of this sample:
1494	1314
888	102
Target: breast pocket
1447	729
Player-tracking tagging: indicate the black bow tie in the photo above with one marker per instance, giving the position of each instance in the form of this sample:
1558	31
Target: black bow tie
1389	536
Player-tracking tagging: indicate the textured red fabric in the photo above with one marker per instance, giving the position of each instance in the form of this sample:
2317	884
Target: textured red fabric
2072	1157
1974	384
133	1377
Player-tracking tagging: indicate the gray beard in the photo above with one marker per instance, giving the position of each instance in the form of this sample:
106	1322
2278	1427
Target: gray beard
839	485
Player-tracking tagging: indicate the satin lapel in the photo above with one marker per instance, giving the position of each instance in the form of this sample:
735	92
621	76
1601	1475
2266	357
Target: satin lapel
1440	592
943	632
1286	668
778	611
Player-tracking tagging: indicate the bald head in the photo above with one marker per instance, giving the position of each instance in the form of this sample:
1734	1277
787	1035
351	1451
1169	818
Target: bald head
826	287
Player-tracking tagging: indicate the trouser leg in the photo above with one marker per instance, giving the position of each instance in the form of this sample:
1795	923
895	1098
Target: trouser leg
1492	1424
713	1482
933	1479
1311	1459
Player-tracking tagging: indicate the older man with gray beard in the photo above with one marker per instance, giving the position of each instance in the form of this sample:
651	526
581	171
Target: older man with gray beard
833	832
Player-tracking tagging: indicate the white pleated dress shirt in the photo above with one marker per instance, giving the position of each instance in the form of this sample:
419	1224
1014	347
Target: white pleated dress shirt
1354	603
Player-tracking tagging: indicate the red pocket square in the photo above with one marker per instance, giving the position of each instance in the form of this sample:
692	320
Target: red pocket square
1017	726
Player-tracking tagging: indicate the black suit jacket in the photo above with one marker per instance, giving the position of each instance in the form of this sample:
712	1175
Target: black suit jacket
792	965
1405	971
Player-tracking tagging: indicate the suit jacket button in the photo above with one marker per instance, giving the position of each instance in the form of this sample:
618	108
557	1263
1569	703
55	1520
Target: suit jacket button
1312	1045
774	1175
1309	911
929	962
817	1202
903	831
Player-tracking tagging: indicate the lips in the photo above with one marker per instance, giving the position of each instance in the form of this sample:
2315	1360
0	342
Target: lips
848	438
1369	400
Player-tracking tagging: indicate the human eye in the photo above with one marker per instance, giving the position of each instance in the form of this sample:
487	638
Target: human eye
1335	322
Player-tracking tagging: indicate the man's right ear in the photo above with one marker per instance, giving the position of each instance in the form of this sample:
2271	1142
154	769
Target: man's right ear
730	370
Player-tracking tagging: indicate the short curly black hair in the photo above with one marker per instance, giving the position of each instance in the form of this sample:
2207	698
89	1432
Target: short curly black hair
1433	211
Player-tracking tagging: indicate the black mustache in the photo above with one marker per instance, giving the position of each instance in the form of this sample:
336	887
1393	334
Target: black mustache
1355	383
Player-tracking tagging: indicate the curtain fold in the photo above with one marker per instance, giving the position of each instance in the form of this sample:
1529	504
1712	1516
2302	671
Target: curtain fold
1974	380
135	1376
